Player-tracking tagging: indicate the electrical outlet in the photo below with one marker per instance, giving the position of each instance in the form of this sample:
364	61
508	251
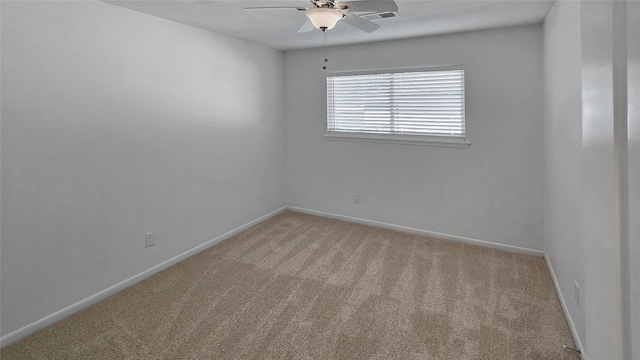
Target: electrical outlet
149	239
356	198
576	293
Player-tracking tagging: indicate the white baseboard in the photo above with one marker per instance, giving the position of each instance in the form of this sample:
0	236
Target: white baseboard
61	314
565	310
487	244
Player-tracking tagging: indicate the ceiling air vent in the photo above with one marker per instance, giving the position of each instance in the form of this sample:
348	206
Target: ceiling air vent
379	16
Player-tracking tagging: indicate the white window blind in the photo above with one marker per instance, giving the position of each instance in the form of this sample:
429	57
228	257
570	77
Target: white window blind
403	104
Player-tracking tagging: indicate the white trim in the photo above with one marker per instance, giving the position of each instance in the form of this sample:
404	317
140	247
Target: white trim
483	243
399	139
395	70
61	314
565	310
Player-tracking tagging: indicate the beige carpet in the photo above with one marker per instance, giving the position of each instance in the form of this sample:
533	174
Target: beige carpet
304	287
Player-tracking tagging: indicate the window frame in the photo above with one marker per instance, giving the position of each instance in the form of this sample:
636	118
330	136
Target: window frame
411	139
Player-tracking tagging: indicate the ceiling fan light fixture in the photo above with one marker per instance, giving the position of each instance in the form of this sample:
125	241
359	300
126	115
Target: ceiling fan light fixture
324	18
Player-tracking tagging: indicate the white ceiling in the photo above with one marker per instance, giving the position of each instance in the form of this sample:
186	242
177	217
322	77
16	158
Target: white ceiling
277	28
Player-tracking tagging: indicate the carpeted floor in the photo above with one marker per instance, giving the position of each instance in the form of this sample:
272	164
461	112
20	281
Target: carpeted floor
304	287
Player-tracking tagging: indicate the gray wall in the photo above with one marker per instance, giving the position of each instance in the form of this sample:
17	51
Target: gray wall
633	161
490	191
562	150
592	178
115	124
602	170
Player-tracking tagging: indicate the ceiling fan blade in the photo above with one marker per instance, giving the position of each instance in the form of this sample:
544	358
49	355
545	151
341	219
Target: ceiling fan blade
360	23
306	27
371	6
275	7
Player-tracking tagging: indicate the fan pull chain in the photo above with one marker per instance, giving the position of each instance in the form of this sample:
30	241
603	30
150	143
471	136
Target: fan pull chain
324	50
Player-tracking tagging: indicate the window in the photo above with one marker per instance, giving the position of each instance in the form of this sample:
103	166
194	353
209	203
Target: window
414	105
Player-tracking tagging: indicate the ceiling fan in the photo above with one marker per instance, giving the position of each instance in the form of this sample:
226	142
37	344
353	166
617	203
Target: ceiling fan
325	14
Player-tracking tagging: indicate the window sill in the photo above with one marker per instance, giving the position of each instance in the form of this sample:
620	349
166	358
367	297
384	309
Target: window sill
408	140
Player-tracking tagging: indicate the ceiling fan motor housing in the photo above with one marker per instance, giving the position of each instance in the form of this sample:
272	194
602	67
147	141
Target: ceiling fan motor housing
324	3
